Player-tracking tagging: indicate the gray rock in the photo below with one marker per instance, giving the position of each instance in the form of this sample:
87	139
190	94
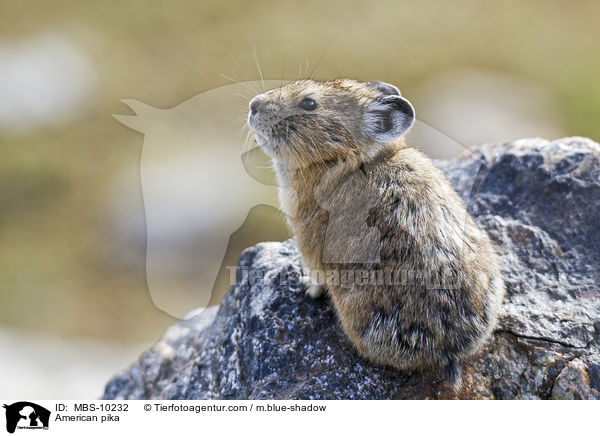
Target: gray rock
540	203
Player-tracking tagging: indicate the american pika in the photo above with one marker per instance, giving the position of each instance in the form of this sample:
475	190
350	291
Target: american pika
425	289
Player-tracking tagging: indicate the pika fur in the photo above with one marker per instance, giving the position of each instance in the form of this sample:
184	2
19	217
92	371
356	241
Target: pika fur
320	133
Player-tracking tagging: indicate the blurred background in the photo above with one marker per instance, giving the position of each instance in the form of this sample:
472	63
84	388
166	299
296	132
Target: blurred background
74	300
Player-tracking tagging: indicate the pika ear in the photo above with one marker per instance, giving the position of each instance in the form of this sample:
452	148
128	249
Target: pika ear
388	118
384	88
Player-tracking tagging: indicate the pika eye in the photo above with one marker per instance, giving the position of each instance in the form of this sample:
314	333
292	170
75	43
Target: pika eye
308	104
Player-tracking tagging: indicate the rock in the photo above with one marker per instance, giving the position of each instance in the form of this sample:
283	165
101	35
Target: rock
573	383
540	203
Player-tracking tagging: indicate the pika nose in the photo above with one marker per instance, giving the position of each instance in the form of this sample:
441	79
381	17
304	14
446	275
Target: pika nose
255	105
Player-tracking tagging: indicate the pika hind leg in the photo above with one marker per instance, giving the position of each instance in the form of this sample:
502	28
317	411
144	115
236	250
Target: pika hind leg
453	374
314	288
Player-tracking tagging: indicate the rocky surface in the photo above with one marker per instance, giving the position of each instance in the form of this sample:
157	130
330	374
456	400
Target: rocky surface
540	203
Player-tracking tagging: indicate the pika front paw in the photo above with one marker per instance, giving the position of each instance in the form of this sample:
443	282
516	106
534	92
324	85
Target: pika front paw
313	290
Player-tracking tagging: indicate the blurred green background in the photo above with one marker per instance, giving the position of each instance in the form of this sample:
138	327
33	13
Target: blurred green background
478	71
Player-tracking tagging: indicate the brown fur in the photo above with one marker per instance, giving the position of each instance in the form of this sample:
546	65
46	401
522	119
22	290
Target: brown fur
422	227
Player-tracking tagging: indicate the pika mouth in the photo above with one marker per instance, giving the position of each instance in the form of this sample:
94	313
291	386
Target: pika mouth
260	139
268	133
254	125
259	135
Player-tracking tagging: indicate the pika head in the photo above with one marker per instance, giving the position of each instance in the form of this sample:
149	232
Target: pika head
307	122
